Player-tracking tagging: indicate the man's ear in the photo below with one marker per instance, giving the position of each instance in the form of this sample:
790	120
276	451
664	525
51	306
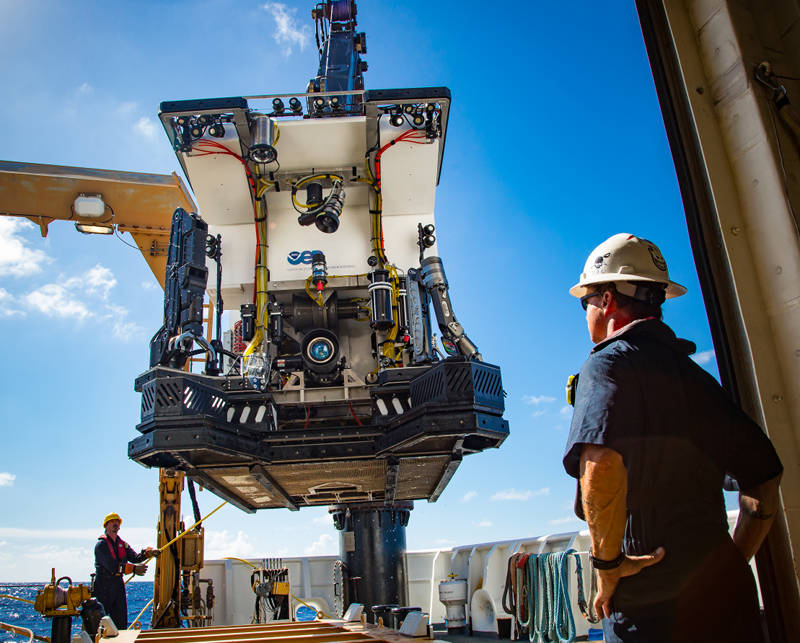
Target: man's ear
608	303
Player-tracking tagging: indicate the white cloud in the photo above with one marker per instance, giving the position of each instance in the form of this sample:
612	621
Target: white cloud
54	300
151	285
219	544
7	479
325	544
705	357
443	542
7	302
538	413
513	494
565	521
83	297
98	280
566	410
468	496
17	259
133	535
537	399
146	127
288	32
483	523
85	88
324	519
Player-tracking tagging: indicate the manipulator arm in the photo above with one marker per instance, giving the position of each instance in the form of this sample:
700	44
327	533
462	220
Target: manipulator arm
435	282
184	289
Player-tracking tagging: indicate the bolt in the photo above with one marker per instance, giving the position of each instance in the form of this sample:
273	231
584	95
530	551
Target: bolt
735	229
777	397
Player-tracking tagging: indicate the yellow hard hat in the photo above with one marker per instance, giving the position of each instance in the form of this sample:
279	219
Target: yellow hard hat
111	517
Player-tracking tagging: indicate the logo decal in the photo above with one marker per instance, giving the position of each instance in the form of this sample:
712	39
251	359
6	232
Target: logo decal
296	258
658	260
599	260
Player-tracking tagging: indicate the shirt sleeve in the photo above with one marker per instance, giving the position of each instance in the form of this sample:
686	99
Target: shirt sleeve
750	457
608	407
103	559
132	556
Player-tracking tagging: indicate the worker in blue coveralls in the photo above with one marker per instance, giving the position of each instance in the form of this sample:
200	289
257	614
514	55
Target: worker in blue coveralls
653	441
113	558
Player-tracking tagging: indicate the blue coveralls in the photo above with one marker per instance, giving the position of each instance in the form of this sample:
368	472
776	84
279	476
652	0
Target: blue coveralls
679	435
109	587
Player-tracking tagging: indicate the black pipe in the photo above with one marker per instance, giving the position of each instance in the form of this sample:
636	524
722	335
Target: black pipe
373	549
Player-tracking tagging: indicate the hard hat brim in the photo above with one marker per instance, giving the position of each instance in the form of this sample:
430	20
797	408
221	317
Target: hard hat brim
584	287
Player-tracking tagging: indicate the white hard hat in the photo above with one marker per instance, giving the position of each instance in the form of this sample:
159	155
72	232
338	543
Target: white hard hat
625	258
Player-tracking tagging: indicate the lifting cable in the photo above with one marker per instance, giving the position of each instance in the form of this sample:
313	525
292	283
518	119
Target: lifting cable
537	595
177	538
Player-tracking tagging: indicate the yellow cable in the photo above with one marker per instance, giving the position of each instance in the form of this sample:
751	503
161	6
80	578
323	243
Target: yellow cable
177	538
17	598
241	560
139	615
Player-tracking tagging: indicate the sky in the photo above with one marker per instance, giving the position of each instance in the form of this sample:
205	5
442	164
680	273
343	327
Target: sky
555	143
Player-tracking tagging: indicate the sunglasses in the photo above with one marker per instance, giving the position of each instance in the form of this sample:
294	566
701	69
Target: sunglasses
585	299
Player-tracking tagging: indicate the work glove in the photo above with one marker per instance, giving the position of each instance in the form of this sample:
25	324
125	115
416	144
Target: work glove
140	570
152	553
128	569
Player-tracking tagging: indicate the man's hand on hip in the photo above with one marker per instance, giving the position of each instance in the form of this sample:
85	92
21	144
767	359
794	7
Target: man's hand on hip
607	579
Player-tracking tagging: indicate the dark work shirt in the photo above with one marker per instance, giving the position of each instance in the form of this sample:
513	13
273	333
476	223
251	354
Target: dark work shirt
106	564
679	434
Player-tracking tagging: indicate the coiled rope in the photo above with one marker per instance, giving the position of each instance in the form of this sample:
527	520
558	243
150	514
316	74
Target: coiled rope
537	595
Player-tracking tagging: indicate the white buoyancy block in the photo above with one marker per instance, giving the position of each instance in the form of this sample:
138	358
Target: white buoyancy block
453	595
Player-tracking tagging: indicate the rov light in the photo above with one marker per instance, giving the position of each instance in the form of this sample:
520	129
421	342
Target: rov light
197	131
418	119
408	109
202	120
217	130
336	104
397	118
295	105
277	106
183	120
319	104
262	131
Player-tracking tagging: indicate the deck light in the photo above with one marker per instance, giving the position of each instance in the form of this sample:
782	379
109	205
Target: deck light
95	228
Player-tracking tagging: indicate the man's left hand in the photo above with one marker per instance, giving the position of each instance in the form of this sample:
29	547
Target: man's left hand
607	579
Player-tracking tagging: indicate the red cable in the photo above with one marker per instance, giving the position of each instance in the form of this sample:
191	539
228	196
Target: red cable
353	413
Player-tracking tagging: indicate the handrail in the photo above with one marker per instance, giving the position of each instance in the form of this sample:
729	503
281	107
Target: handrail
24	631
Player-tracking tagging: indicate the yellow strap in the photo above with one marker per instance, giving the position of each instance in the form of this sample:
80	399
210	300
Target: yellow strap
17	598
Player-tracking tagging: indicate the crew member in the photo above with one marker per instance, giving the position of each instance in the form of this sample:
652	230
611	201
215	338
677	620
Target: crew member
113	558
654	439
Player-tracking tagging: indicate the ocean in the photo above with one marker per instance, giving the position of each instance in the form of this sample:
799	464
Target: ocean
23	615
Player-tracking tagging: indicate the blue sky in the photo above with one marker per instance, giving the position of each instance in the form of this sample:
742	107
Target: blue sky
555	142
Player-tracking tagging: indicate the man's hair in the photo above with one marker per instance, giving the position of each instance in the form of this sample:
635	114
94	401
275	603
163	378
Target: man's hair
650	306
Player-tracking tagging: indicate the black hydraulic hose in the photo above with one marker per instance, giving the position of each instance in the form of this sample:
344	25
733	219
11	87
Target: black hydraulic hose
193	496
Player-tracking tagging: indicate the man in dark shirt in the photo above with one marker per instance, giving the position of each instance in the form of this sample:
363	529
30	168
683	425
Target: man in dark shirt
652	441
113	558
